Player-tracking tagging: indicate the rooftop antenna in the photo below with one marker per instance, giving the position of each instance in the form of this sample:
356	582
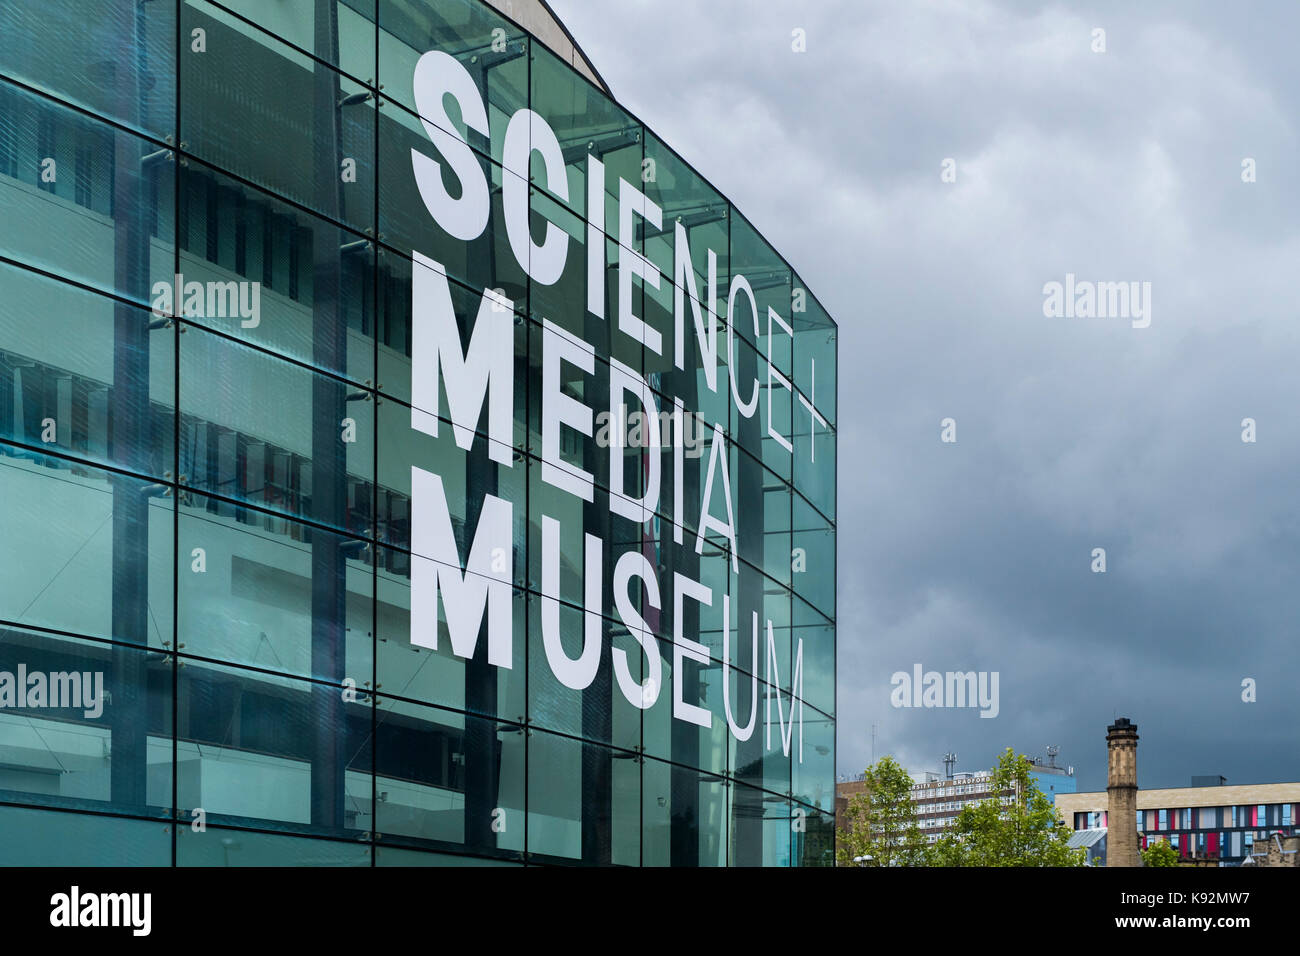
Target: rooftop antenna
1051	755
949	761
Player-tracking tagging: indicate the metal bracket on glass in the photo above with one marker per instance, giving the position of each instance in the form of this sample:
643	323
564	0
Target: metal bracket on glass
598	146
355	549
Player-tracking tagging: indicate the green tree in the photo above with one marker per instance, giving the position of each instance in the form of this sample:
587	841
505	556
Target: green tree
1019	827
882	820
1160	853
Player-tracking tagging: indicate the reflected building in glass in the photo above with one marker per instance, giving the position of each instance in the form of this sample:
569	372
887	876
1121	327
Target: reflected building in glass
252	257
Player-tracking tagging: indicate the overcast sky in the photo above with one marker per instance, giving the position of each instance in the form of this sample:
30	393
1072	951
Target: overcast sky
1072	433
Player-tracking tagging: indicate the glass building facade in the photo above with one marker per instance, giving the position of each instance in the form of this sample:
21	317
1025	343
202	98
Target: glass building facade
212	241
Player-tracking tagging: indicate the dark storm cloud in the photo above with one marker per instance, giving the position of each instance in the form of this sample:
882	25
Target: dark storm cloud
1072	433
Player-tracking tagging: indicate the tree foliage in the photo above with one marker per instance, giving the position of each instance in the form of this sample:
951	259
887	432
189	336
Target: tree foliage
1160	853
882	820
1020	829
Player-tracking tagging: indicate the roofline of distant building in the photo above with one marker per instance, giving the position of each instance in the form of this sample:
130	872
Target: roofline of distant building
1215	796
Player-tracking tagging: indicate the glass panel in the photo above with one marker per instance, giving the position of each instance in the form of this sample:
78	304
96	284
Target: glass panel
812	750
585	122
814	469
678	739
772	283
351	49
466	479
761	828
393	856
439	675
90	370
284	752
114	58
685	198
586	805
564	302
98	558
270	275
763	760
45	838
779	560
818	636
406	224
751	372
777	406
256	107
255	591
814	360
261	430
216	846
601	710
85	724
82	200
491	49
814	558
684	816
479	321
815	844
449	779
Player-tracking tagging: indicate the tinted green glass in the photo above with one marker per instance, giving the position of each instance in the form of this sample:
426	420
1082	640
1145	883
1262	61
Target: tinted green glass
92	369
814	358
761	828
477	316
97	532
43	838
685	199
586	123
82	200
406	224
814	468
85	724
698	684
267	274
491	49
586	805
600	710
465	476
438	675
449	780
258	429
818	636
311	140
272	751
248	591
771	281
116	58
684	816
813	779
815	539
349	45
215	846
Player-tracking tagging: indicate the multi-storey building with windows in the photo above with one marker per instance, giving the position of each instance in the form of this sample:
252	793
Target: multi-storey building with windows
938	798
406	456
1209	821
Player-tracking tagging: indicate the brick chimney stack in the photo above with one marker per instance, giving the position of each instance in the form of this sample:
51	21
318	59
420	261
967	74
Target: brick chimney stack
1121	793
